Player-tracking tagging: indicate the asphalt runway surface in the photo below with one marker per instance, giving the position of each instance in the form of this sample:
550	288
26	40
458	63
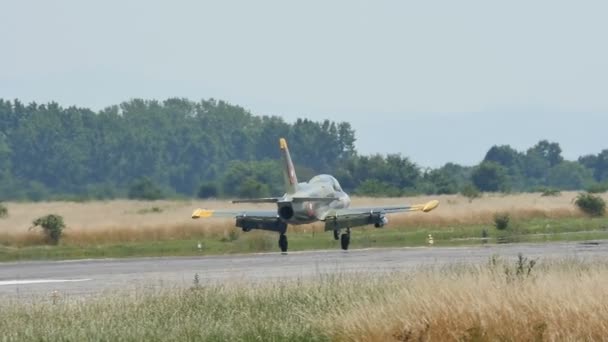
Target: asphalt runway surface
93	277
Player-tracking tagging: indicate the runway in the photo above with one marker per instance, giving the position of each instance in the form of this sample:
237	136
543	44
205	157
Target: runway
92	277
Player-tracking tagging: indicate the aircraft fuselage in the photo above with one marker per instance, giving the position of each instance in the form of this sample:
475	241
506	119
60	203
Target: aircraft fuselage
301	212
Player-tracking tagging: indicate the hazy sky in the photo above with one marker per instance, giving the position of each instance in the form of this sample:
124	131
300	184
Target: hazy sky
437	81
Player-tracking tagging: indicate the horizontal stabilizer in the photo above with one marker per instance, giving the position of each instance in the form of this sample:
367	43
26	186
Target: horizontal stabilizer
257	200
314	199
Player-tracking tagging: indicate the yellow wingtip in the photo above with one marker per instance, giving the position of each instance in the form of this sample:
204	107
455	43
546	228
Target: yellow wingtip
430	206
283	144
425	208
202	213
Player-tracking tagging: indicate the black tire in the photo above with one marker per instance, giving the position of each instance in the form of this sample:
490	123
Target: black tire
283	243
345	241
336	235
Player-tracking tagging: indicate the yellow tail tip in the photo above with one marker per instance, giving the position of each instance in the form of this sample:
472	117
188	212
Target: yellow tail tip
283	144
202	213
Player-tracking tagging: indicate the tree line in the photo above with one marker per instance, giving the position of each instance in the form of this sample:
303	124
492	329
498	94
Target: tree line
181	148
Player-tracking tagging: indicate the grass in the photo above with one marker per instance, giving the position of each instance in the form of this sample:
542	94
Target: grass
502	300
234	241
160	228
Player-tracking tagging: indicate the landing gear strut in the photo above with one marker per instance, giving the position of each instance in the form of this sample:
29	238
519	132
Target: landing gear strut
345	239
336	234
283	243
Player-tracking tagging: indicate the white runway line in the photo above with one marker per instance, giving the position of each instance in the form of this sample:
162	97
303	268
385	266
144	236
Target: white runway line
39	281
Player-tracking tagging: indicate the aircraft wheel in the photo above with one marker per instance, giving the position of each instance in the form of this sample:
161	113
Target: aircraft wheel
336	234
283	243
345	241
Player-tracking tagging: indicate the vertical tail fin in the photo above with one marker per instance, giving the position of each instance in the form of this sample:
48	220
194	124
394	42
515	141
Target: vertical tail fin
289	172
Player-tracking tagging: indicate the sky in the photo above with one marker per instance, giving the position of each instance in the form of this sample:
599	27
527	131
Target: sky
437	81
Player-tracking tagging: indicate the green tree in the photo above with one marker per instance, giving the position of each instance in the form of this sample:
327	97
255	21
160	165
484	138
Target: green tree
504	155
346	179
442	182
52	225
207	190
145	189
251	188
549	151
266	172
535	167
175	143
590	204
597	163
3	211
589	161
569	176
36	191
48	151
597	188
397	172
461	175
538	160
5	157
513	162
471	192
376	188
490	177
8	188
501	220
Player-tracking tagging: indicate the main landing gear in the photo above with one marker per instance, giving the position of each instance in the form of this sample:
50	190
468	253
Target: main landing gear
283	243
344	238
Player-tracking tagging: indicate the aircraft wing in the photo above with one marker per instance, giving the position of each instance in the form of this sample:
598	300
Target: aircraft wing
260	214
390	209
353	217
387	210
278	199
247	219
258	200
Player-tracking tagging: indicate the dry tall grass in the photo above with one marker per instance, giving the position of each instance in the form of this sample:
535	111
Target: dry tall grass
560	304
123	220
559	301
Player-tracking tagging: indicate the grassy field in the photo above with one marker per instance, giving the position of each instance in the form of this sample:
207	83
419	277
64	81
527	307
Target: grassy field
134	228
506	300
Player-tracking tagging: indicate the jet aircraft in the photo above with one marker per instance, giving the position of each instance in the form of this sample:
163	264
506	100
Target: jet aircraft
320	199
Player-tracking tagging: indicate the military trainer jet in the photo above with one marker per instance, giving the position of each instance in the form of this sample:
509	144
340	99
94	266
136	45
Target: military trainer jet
320	199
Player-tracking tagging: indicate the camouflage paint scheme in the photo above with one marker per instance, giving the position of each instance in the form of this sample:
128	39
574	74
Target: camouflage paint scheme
320	199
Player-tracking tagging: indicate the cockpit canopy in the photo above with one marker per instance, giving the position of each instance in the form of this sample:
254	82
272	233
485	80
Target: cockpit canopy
326	179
